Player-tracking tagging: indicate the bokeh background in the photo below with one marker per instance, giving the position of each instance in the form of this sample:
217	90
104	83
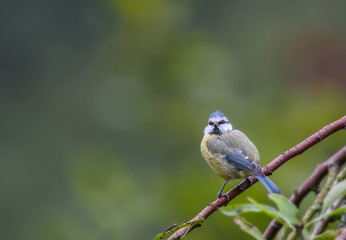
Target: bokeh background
103	105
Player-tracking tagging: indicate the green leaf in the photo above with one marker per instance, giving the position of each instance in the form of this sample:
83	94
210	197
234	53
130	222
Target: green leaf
272	212
328	214
328	235
288	209
335	192
237	209
306	234
282	232
176	227
248	228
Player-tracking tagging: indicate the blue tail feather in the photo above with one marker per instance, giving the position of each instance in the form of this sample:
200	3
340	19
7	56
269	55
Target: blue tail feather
270	186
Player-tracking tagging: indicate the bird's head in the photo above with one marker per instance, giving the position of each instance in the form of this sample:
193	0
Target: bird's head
218	124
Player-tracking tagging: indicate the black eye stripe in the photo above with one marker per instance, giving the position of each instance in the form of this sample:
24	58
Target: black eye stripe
218	123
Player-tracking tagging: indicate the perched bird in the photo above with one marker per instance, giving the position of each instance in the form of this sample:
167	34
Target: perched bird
231	154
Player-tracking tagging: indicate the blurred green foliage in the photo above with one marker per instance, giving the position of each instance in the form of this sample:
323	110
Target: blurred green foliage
103	104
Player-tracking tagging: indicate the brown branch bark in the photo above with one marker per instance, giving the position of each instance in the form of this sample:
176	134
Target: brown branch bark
308	185
276	163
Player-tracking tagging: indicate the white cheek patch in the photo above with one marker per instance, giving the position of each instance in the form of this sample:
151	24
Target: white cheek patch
208	129
225	127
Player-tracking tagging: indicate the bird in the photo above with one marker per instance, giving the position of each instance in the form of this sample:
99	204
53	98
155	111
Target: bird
231	154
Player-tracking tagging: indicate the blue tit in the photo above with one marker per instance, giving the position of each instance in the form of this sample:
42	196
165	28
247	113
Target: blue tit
231	154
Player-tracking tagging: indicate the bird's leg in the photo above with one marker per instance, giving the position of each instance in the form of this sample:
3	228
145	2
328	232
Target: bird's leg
220	194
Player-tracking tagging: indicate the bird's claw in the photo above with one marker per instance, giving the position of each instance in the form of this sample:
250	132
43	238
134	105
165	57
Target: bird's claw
249	181
223	195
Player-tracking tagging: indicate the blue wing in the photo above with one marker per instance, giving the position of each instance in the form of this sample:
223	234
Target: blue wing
243	163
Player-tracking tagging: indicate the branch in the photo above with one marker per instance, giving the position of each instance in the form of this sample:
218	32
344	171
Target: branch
276	163
310	184
316	206
322	225
333	170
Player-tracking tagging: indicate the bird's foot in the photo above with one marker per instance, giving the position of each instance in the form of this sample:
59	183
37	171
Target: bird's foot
219	195
248	180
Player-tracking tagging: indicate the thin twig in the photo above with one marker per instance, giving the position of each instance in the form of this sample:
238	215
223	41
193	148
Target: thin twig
308	185
317	205
322	225
276	163
333	170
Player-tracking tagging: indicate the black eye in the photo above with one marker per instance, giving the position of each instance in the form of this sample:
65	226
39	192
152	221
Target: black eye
210	123
222	122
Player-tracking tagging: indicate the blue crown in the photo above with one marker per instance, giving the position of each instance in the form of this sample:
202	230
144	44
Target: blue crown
217	114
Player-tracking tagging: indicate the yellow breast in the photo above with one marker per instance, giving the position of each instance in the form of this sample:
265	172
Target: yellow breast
218	163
